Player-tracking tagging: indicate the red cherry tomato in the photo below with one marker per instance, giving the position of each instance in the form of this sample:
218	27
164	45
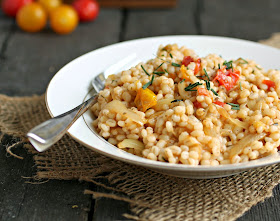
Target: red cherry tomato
87	9
197	66
197	104
187	60
227	78
11	7
269	83
220	103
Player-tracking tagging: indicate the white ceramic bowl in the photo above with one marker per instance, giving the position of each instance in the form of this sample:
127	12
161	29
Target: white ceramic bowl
71	85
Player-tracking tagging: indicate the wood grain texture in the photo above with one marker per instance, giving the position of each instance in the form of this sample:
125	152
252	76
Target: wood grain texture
147	23
49	201
251	19
32	59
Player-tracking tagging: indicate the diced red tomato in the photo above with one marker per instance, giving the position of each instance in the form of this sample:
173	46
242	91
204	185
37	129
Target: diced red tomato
269	83
197	66
219	103
197	104
187	60
227	78
204	92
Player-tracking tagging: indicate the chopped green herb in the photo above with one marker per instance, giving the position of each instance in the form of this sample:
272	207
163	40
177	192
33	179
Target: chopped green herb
219	66
191	86
176	100
182	80
149	83
258	67
175	64
234	106
207	85
158	72
245	62
146	85
206	74
240	86
198	76
228	64
159	66
253	71
214	92
166	71
145	70
171	55
153	77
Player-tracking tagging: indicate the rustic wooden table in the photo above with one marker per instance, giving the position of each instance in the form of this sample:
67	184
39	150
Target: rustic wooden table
28	62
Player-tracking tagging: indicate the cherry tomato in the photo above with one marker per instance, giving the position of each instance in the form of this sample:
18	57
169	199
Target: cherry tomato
64	19
197	66
227	78
197	104
87	9
203	92
269	83
32	17
187	60
145	99
50	5
11	7
220	103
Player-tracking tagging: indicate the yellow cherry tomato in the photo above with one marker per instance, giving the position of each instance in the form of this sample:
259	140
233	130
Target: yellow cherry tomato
50	5
145	99
32	17
64	19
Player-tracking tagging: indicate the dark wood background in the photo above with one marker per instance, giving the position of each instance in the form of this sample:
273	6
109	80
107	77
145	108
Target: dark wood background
28	62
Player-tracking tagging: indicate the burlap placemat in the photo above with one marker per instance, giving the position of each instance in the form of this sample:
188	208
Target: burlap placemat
152	196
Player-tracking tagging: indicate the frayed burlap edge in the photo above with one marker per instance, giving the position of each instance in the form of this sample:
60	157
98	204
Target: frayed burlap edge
152	196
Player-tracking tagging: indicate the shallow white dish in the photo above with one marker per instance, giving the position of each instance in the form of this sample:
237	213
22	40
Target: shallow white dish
72	84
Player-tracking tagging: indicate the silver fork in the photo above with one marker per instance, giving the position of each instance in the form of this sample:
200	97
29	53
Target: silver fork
43	136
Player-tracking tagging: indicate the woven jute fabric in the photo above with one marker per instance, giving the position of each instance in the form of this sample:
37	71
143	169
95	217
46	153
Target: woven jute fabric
152	196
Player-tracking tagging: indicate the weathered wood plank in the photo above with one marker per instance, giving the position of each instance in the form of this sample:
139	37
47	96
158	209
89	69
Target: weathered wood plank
32	59
29	62
251	19
267	210
49	201
146	23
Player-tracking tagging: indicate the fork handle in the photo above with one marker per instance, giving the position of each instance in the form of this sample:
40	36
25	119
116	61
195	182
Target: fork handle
43	136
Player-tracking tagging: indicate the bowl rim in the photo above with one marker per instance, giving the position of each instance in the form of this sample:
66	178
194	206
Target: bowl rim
266	161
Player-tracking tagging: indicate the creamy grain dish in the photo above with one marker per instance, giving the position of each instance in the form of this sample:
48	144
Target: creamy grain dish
185	109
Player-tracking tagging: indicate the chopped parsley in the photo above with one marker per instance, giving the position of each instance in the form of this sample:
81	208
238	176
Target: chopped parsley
191	86
219	66
228	64
149	83
240	86
145	70
206	74
175	64
182	80
214	92
171	55
234	106
166	71
176	100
